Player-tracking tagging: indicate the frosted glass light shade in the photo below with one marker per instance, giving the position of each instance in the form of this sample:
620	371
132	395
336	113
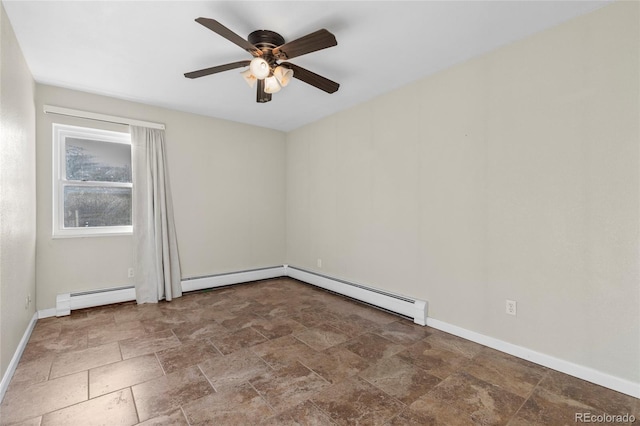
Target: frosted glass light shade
259	68
271	85
284	75
249	77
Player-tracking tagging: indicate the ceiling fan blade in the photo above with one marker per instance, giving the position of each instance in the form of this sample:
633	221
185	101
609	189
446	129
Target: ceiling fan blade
312	78
318	40
219	68
225	32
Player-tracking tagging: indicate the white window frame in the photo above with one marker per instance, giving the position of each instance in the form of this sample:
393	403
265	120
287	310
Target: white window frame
60	133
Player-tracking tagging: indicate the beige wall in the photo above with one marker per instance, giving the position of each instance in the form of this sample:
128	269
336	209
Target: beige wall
228	191
17	194
511	176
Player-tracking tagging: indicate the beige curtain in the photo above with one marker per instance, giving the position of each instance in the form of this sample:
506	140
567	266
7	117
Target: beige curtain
156	250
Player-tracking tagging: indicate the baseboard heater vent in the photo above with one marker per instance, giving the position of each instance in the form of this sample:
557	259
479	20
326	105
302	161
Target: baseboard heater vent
412	308
67	302
230	278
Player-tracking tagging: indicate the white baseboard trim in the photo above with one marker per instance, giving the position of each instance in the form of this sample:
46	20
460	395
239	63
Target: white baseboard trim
585	373
11	369
46	313
221	280
409	307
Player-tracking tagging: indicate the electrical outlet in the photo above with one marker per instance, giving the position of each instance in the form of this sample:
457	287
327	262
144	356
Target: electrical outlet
319	263
131	273
511	307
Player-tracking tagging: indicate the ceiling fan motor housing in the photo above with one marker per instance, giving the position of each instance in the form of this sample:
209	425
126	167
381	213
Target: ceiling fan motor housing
266	41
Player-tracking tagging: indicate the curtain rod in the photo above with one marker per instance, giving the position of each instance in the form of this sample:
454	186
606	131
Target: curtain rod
50	109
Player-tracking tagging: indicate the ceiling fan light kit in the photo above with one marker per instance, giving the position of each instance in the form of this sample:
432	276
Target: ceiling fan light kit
271	85
249	77
267	48
259	68
283	75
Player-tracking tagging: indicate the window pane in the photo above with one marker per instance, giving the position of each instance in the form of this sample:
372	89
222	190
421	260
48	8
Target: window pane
90	160
95	206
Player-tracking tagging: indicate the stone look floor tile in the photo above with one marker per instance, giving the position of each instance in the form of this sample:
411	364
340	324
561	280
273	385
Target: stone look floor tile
162	323
167	393
435	360
305	414
370	313
36	421
276	311
41	398
402	332
200	330
243	338
119	331
277	327
464	399
135	312
46	329
62	343
150	343
546	408
413	418
335	364
513	374
234	369
202	314
112	409
372	347
244	306
321	337
122	374
240	405
454	344
289	386
185	355
79	322
73	362
355	401
314	316
36	371
234	322
352	325
176	418
283	351
590	394
400	379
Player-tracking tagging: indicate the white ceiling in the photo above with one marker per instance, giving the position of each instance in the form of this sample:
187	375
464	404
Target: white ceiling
139	50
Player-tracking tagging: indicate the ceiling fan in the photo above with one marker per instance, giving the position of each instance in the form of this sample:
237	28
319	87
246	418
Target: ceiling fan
268	48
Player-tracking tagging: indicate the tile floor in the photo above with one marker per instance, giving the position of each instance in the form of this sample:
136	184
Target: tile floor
279	352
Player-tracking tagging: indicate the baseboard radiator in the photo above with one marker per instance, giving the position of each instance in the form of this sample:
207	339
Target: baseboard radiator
67	302
412	308
221	280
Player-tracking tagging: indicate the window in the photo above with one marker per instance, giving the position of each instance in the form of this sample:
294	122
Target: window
92	182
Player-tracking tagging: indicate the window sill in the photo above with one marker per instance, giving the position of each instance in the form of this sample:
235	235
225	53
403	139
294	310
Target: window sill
93	232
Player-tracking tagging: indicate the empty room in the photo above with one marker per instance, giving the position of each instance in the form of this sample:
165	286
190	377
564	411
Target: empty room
319	212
